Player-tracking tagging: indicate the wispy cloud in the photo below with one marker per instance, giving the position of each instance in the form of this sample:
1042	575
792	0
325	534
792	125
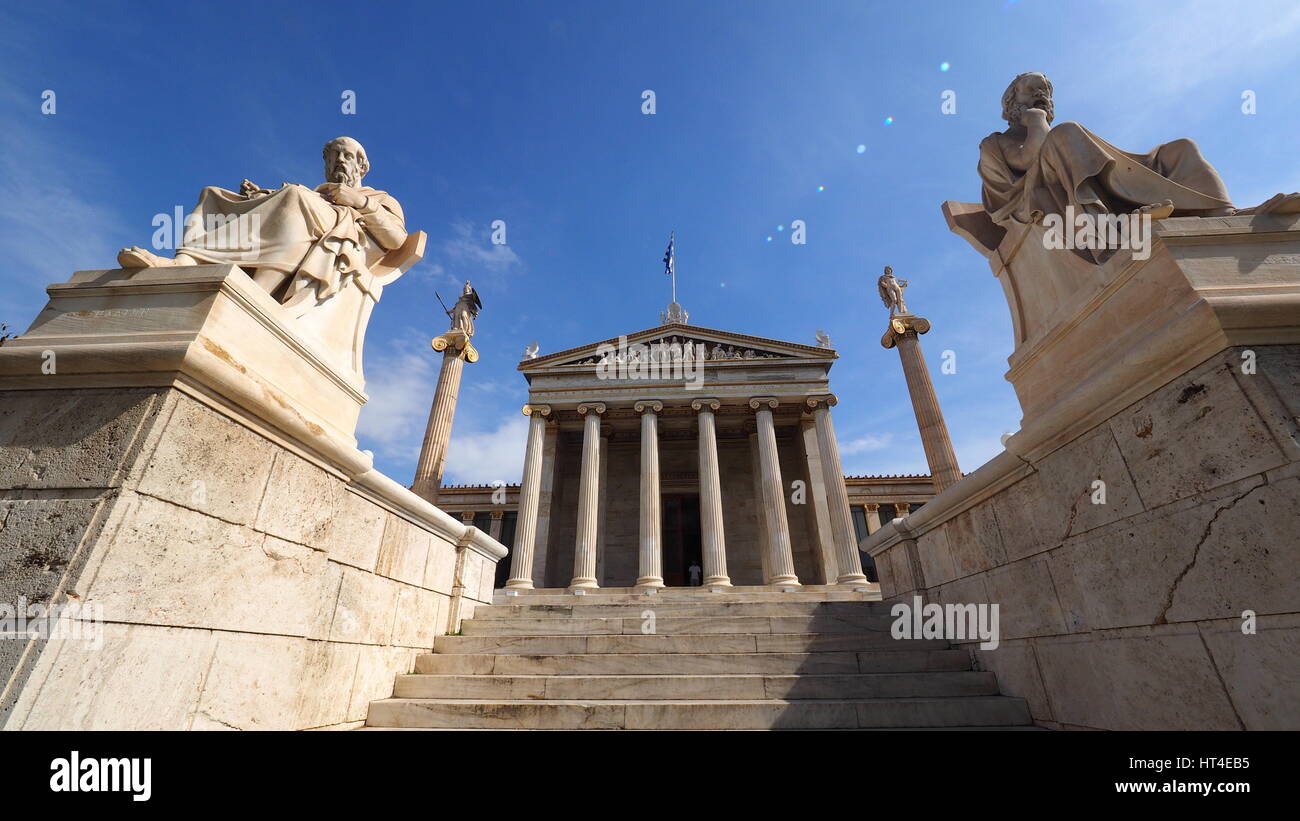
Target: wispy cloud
400	379
470	250
483	457
50	229
865	444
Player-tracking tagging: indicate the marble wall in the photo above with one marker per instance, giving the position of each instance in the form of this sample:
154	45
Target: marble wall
242	585
1129	613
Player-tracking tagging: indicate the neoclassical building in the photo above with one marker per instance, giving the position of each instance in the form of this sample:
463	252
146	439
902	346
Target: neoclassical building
680	445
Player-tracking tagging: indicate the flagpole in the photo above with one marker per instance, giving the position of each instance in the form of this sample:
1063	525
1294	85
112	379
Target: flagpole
672	265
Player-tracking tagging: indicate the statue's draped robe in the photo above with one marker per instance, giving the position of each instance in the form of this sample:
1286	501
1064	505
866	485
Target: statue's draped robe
295	231
1076	167
462	316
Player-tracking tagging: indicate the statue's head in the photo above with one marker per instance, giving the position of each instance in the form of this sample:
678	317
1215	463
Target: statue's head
1028	90
345	161
468	289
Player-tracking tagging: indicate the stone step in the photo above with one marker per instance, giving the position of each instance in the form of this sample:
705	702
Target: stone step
681	609
962	711
599	664
713	687
674	626
1017	728
628	595
689	643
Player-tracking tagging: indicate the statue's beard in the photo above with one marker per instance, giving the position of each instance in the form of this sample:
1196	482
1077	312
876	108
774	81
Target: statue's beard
1018	109
345	174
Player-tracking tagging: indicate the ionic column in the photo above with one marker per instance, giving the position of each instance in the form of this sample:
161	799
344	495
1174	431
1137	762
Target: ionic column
780	557
837	495
521	564
901	509
651	557
713	541
584	547
873	517
437	433
456	350
939	455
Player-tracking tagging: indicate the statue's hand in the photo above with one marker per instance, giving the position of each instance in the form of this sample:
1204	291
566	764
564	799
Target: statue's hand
340	194
251	189
1034	118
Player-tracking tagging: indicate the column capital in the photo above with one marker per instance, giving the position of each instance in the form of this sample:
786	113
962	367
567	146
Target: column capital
591	407
698	404
458	343
758	401
901	325
540	410
902	508
872	506
650	405
830	400
498	514
467	517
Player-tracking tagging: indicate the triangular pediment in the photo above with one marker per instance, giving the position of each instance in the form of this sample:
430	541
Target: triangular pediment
675	339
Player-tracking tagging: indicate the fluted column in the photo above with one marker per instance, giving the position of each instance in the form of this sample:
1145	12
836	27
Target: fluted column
837	495
437	433
939	455
584	547
873	517
651	558
521	564
780	560
712	538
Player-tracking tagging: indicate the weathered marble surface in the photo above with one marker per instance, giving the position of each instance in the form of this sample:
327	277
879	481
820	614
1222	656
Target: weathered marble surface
1128	614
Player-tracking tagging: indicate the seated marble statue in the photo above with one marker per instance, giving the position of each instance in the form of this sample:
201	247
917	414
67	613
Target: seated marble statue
296	242
1033	169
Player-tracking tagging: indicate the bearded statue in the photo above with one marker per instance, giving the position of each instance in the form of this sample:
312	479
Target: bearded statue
1033	168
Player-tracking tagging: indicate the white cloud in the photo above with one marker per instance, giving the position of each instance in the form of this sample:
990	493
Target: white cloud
400	380
865	444
483	457
473	249
50	230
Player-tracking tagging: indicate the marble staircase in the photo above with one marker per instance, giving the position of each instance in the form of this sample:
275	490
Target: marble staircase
686	658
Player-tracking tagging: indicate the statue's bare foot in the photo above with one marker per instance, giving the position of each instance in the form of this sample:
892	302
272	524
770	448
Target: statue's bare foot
1276	204
1157	211
137	257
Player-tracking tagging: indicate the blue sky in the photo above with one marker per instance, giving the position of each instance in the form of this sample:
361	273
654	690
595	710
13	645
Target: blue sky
530	112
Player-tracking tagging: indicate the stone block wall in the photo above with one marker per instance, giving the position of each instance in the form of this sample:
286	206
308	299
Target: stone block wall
243	585
1129	614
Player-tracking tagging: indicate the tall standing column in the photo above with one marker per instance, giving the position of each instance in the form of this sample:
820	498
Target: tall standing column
456	350
939	455
651	556
712	538
780	557
521	564
433	453
584	547
837	495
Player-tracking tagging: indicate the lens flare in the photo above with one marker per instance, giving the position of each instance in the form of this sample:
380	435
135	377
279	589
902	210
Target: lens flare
944	66
862	149
889	121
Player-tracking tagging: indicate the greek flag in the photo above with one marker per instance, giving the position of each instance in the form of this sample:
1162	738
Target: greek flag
670	261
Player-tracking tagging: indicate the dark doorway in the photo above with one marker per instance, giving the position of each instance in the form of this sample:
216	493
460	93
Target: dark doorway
681	538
